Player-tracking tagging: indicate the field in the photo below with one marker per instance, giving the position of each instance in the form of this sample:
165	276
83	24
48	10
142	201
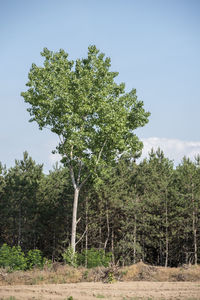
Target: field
139	281
99	290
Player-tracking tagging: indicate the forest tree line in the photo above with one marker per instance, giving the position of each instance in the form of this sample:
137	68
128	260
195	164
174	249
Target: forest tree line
145	211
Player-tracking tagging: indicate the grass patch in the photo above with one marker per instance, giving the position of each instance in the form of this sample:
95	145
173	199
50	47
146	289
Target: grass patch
9	298
99	296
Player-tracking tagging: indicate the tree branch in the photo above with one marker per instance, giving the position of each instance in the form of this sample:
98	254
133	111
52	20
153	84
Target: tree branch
99	156
78	221
81	236
79	172
108	230
84	181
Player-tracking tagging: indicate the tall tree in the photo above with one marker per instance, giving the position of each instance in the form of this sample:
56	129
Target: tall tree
188	185
22	182
92	115
153	184
54	204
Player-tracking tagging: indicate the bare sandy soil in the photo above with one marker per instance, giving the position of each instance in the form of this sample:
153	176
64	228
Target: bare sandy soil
98	290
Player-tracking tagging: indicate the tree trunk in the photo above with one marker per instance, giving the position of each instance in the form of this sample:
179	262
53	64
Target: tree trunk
194	236
167	251
112	247
74	219
19	225
135	239
195	247
194	226
108	230
166	233
54	246
86	235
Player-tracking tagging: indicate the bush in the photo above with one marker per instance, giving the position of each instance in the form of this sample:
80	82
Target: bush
35	259
95	258
70	257
15	259
12	257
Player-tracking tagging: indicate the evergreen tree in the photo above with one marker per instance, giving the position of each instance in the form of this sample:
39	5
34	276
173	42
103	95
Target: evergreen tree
153	188
188	194
20	203
55	205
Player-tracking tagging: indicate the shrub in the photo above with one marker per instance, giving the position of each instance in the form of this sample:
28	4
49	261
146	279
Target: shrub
35	259
70	257
15	259
95	258
12	257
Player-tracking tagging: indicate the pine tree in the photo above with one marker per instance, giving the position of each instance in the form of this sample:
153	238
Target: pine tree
20	202
188	186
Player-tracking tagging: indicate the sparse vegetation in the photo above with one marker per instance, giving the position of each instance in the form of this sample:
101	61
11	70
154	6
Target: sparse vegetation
68	274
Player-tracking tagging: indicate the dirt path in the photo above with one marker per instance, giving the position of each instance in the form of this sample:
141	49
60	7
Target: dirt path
115	291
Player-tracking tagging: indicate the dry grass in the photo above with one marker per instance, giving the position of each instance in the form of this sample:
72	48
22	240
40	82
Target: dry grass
66	274
145	272
139	271
60	274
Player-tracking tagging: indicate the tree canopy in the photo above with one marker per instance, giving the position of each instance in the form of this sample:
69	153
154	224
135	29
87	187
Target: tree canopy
80	101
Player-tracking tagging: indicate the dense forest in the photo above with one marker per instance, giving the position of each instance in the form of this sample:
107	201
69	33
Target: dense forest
145	211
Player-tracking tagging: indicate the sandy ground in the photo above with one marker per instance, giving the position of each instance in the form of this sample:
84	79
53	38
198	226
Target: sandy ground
118	290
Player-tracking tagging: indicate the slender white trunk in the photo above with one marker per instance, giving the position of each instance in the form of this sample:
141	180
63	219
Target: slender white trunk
108	230
77	186
74	219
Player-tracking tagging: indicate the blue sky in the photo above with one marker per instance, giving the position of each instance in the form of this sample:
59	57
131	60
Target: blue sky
153	44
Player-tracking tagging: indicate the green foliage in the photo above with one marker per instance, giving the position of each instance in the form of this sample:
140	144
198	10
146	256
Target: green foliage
111	277
95	258
12	257
81	102
20	202
55	206
15	259
70	257
34	259
148	211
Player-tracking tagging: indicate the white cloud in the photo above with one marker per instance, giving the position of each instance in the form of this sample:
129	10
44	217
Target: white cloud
53	158
174	149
